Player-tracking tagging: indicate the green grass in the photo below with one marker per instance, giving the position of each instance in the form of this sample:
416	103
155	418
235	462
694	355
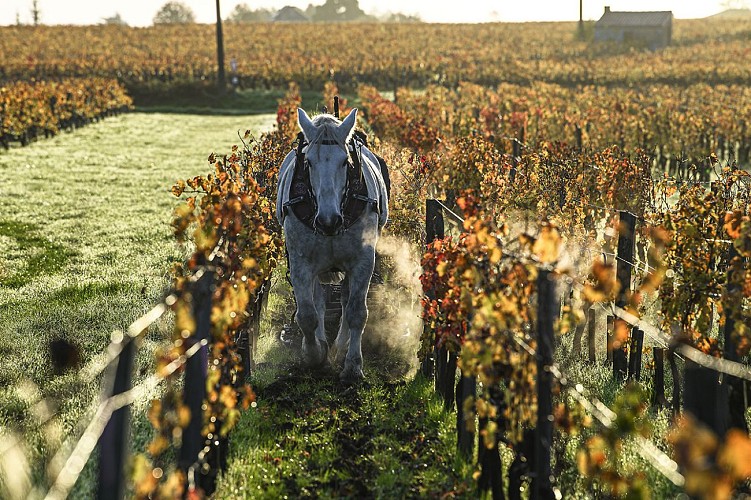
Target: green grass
85	248
312	436
33	256
598	380
238	102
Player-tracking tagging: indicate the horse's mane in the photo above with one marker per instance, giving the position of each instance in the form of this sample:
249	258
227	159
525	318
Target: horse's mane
327	125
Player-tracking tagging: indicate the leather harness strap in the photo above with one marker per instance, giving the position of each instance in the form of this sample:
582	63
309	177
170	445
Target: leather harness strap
301	200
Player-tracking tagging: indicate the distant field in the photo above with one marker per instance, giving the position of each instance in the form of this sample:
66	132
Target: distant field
86	247
182	58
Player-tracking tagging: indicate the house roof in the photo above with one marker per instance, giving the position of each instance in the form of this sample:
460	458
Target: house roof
625	19
289	13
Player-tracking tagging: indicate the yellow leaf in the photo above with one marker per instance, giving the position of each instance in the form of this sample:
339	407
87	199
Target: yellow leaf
621	333
548	245
183	416
157	446
228	396
592	294
154	414
144	482
185	324
178	188
495	255
174	486
441	268
733	221
231	417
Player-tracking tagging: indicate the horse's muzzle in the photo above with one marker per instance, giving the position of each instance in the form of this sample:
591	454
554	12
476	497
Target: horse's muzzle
329	225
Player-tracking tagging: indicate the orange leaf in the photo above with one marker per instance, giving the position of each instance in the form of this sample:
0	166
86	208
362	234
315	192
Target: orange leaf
157	446
733	222
621	334
735	455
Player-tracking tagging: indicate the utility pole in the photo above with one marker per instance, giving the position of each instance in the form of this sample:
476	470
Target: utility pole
221	77
35	12
581	19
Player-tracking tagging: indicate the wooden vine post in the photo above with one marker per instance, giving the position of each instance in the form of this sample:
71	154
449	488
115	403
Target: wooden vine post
465	388
445	359
247	340
624	268
489	458
635	354
196	369
705	398
736	387
442	365
658	394
541	485
434	230
114	448
221	79
591	335
449	376
610	320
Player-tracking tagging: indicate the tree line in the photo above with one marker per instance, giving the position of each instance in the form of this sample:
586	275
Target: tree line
176	12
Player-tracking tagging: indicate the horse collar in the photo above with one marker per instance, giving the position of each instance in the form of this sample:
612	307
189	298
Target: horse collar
302	201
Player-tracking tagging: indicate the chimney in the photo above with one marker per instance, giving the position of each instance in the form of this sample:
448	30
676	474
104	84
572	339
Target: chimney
607	9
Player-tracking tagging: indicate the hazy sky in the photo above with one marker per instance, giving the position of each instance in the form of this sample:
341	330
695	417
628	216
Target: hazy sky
141	12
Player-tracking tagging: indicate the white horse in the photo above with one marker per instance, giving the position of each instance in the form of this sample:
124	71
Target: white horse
332	203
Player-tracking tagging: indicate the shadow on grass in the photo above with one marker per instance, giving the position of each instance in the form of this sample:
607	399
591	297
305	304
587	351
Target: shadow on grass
206	101
44	256
312	436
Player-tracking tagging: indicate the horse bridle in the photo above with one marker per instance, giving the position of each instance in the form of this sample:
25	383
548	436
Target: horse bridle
352	189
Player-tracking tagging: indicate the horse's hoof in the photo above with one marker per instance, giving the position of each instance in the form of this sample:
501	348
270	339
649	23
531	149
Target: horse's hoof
351	375
337	357
316	354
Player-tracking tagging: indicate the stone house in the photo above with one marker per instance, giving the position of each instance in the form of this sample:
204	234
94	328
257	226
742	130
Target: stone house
650	29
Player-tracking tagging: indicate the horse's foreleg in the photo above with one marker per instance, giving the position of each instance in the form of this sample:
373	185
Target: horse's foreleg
342	337
319	298
314	350
356	314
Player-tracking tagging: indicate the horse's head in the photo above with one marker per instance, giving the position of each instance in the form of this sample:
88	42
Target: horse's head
328	159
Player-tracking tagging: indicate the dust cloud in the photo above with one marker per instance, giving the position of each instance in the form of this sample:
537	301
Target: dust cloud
394	325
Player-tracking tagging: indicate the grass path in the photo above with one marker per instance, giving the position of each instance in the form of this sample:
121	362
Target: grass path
86	247
312	437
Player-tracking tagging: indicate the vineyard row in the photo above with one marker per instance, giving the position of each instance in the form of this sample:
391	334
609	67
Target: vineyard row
549	203
32	109
676	126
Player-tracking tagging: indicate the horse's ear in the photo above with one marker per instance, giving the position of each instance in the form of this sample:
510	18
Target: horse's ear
306	124
347	128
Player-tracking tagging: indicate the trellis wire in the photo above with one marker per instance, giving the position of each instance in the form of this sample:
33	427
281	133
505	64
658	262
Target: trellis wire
732	368
727	367
73	465
653	455
662	463
87	442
